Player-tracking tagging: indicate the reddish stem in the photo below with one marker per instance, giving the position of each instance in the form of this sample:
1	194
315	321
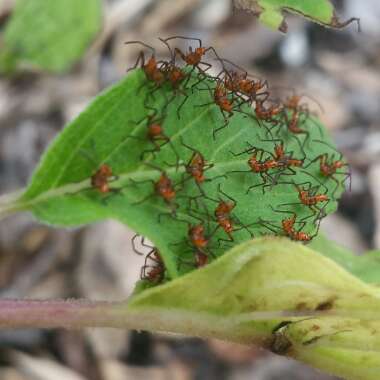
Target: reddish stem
60	313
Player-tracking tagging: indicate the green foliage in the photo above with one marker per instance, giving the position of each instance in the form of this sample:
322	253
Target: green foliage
246	294
49	35
366	266
271	12
60	192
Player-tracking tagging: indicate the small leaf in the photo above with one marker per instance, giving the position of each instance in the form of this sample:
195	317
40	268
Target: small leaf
270	12
365	266
113	131
49	35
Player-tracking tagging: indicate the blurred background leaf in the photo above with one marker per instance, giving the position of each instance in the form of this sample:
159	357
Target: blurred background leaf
271	12
49	35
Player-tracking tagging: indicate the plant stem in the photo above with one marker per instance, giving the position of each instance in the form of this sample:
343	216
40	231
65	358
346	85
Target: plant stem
8	203
76	314
52	314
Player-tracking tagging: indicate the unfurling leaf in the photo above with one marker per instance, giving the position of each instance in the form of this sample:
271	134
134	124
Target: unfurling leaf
280	295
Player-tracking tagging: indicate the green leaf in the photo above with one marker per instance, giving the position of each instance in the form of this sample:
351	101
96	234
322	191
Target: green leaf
60	193
270	12
250	294
366	266
49	35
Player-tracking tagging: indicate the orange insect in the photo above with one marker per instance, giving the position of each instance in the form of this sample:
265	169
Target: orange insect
293	103
197	238
269	113
288	227
224	217
224	103
231	81
154	272
196	166
198	241
258	165
309	197
163	188
221	99
192	57
295	115
293	124
291	232
240	83
174	74
151	67
100	179
329	166
252	89
103	176
285	160
155	134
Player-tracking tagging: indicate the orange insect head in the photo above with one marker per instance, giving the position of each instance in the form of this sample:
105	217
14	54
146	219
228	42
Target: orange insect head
193	58
176	75
105	171
152	72
338	164
200	51
154	130
224	208
151	65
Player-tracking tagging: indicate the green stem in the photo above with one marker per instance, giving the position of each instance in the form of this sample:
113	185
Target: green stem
11	203
8	203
